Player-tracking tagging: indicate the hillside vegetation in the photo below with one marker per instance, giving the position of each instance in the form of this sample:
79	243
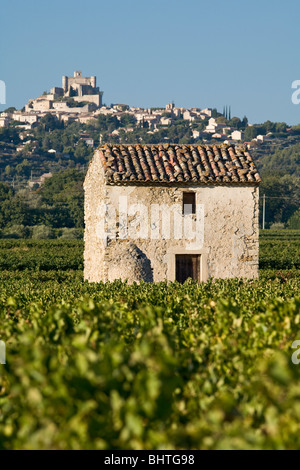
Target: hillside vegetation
38	211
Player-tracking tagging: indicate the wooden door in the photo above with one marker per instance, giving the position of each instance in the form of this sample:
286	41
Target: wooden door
187	266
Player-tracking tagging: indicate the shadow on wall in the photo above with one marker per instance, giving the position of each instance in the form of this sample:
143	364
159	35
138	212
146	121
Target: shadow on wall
127	261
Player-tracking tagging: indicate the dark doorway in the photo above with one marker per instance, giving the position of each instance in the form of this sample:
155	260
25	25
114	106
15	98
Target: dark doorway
187	266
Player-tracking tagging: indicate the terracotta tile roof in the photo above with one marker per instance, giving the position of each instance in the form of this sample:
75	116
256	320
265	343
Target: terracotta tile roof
177	164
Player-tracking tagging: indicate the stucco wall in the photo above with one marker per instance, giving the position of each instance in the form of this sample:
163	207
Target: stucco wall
96	99
229	220
94	188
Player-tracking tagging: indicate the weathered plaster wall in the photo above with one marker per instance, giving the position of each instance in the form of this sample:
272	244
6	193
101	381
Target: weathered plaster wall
229	247
95	191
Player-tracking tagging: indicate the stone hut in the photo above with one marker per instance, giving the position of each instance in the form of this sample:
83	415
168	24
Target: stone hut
171	212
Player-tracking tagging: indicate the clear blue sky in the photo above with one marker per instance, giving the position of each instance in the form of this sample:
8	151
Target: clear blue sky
148	53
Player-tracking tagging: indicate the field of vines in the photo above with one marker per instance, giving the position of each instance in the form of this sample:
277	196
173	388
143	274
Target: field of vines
150	366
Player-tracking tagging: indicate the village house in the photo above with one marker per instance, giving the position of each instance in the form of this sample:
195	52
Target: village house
264	138
165	121
39	181
218	135
25	117
4	120
171	212
207	112
86	118
189	116
237	135
212	126
196	134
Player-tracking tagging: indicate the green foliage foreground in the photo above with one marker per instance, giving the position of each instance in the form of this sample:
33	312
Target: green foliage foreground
151	366
148	367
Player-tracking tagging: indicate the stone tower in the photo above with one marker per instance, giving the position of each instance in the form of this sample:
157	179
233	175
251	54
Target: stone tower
65	83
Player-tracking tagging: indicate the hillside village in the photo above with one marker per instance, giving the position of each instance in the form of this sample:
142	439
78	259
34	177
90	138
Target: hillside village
60	129
50	142
80	100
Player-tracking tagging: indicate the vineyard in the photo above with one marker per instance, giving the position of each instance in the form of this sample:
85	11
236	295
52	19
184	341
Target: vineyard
279	249
151	366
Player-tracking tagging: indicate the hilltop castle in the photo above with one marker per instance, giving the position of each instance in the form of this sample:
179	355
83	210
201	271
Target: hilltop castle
79	88
82	88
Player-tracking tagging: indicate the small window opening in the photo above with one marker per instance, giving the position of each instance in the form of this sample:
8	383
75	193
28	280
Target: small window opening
189	203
